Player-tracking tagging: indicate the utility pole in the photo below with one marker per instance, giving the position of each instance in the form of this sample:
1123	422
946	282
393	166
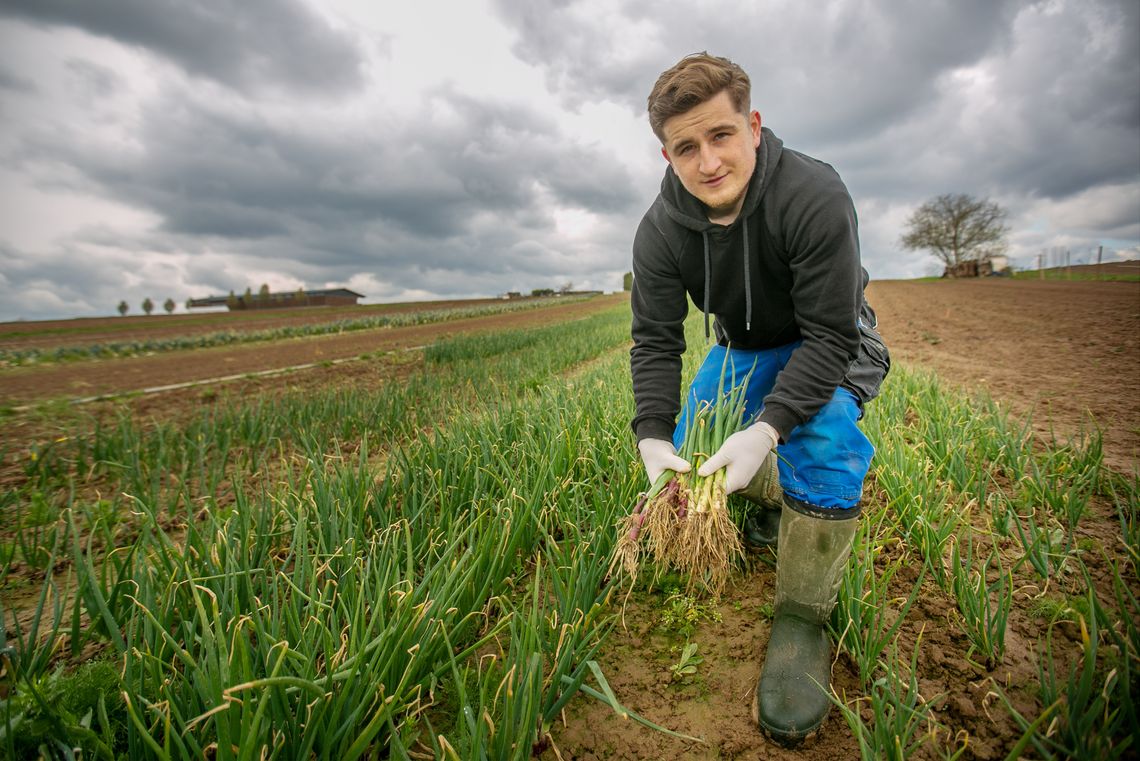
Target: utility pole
1099	272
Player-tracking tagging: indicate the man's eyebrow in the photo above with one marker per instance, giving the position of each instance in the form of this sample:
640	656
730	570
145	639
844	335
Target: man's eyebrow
716	128
725	127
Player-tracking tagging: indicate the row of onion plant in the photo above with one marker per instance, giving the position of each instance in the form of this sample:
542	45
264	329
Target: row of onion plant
163	461
951	472
42	355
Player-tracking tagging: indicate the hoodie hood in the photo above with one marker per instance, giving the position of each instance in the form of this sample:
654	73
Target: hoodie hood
686	210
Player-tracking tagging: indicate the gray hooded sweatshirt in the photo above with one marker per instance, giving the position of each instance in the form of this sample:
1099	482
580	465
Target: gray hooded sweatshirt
787	269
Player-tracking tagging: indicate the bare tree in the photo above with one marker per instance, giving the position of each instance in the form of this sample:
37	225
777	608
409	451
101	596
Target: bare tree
957	228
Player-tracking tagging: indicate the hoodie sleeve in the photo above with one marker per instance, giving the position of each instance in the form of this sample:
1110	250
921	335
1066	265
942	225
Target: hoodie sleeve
822	242
659	304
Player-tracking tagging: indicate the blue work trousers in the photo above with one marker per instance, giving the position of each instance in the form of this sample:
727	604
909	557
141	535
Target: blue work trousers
822	462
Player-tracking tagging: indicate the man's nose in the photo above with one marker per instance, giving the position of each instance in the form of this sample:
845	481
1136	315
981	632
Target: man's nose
710	161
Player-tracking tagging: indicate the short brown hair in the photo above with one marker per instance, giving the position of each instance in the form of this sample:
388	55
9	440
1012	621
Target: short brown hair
695	79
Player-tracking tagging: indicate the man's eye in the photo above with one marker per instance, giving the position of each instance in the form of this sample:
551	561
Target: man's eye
685	150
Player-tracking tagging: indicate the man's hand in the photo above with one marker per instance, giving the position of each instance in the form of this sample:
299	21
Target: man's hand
659	456
741	455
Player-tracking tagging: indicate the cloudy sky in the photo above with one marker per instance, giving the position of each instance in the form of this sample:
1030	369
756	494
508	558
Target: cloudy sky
178	148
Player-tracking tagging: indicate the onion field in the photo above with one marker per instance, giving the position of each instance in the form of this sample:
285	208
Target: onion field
133	348
419	571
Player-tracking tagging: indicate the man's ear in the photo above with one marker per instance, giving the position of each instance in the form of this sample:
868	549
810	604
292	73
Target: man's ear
754	122
665	153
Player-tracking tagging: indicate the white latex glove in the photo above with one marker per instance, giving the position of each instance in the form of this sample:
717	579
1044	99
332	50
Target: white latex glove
659	456
741	455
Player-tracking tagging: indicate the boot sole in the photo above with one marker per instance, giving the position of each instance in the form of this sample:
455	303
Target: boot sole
782	738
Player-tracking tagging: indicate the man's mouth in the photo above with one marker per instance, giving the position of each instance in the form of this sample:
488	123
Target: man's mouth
715	181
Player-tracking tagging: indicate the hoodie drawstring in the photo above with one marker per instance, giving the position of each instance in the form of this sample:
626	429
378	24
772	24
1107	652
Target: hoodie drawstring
747	280
708	275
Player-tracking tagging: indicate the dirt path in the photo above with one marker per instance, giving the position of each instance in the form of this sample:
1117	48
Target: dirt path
80	379
1061	350
89	330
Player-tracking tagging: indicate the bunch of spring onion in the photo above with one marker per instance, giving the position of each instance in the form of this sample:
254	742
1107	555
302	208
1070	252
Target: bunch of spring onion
683	520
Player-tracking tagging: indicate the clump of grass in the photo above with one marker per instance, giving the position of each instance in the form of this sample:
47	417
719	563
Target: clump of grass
53	715
1046	547
1125	495
683	613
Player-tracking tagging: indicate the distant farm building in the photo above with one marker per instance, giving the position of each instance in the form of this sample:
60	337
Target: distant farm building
329	297
994	265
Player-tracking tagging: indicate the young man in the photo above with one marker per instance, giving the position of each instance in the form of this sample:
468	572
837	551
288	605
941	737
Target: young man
765	239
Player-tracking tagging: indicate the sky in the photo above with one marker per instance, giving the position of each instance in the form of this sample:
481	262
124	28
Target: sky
429	150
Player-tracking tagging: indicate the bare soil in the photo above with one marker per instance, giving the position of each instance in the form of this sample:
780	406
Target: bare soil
1066	352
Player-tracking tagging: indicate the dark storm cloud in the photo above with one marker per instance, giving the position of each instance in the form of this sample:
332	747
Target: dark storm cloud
832	72
1073	105
434	203
444	191
882	89
249	45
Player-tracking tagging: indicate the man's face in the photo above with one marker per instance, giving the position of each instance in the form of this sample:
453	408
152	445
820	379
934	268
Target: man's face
712	148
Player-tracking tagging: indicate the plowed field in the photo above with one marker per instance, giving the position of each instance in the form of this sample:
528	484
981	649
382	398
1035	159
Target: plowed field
1067	352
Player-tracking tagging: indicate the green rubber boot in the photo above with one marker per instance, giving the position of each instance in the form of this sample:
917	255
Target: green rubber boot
761	527
792	696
